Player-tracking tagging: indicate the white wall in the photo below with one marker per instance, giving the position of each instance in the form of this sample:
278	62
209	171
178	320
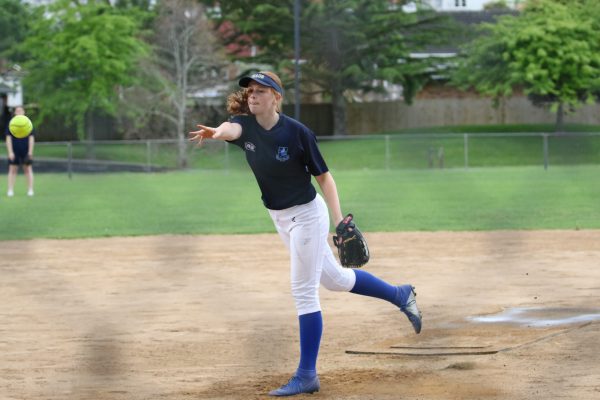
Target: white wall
464	5
15	96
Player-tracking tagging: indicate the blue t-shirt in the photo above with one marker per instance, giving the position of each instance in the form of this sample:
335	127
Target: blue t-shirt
282	159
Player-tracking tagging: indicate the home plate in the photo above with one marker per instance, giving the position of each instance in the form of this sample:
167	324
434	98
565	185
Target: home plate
478	336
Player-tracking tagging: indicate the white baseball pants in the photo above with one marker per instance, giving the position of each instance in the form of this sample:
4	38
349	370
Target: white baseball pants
305	229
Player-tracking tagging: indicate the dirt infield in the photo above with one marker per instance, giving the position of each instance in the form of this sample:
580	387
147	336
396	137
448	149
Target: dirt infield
507	315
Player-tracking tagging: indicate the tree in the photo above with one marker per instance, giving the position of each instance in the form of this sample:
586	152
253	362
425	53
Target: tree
551	51
78	56
14	17
346	44
186	57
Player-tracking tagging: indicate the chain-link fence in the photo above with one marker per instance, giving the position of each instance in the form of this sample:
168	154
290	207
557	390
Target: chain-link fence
342	153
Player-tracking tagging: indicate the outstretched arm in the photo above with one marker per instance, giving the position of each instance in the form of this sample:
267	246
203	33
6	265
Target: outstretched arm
330	193
225	131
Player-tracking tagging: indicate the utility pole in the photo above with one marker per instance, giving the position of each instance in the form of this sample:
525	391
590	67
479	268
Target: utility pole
297	60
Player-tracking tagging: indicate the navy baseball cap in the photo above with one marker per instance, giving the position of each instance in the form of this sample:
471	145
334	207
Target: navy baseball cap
263	79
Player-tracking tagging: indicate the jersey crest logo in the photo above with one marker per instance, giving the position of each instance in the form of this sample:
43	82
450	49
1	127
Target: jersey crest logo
249	146
282	154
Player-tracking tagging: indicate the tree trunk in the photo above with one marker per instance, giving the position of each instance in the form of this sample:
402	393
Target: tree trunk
89	129
503	110
181	139
182	148
182	152
560	116
338	103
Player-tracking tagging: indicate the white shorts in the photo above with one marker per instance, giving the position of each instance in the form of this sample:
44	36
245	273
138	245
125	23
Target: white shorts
305	230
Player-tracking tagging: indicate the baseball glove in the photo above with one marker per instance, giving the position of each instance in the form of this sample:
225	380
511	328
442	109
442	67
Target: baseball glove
351	244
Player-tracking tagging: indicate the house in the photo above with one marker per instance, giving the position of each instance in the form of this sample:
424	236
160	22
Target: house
444	56
11	85
470	5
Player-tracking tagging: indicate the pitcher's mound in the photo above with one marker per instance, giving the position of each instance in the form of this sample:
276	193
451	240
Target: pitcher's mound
490	334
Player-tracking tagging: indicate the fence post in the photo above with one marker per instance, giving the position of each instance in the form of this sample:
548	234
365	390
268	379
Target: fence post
545	151
466	149
387	152
226	156
70	159
148	156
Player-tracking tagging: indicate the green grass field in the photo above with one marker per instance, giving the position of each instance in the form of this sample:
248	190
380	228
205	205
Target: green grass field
206	202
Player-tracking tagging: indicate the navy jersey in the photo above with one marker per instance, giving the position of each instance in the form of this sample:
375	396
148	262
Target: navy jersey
20	145
282	159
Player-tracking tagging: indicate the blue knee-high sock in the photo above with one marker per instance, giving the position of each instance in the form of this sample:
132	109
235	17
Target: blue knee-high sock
311	329
370	285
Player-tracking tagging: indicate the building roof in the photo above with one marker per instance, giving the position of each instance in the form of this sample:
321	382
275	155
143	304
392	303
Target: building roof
478	17
467	22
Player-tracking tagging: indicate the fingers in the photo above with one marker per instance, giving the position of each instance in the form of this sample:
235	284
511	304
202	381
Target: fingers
202	127
200	134
195	137
204	131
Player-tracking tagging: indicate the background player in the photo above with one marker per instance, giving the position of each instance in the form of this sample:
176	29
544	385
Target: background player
283	154
20	152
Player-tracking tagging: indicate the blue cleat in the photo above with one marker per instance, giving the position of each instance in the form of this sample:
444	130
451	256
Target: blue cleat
297	385
405	299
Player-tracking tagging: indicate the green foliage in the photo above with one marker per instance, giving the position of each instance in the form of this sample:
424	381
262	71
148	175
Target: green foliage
345	44
496	5
551	51
355	42
78	57
14	22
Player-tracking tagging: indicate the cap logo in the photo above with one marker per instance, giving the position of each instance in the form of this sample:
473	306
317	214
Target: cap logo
263	79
